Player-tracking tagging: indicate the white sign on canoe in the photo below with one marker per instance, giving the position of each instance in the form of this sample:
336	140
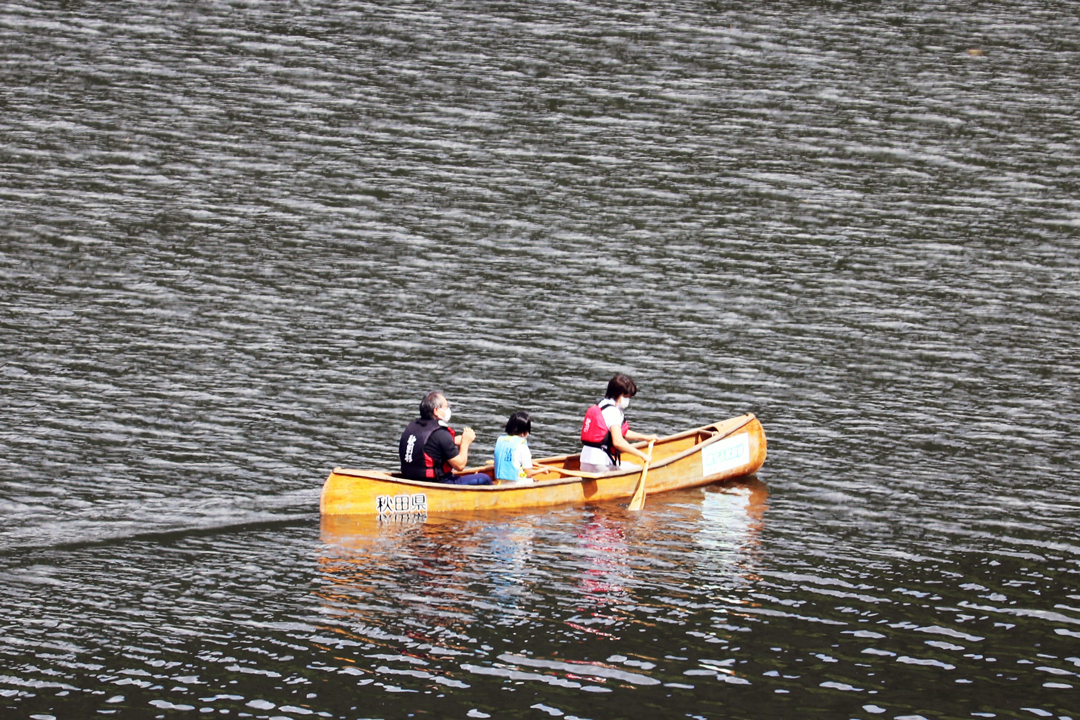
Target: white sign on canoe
725	454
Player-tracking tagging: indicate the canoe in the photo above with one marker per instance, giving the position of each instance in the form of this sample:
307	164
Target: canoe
726	450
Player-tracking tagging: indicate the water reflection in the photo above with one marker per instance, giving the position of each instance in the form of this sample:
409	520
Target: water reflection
399	570
600	548
458	592
510	548
603	573
602	541
730	536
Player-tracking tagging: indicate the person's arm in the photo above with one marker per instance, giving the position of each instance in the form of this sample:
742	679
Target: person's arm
463	441
525	456
631	435
620	443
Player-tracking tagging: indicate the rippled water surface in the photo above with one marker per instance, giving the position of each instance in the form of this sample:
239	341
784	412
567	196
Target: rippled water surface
239	241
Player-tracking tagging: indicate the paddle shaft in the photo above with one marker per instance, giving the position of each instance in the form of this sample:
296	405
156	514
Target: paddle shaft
564	471
638	501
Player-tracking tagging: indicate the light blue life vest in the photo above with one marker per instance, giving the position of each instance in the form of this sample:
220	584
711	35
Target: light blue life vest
505	447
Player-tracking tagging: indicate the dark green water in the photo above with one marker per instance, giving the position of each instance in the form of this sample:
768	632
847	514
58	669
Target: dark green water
239	241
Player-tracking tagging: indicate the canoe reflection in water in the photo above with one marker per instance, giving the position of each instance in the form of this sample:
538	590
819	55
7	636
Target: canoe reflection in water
510	547
402	577
453	595
729	539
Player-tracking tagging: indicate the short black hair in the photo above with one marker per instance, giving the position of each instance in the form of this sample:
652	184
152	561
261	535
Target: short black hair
519	422
621	385
431	402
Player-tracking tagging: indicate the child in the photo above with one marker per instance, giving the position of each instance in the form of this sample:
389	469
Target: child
513	460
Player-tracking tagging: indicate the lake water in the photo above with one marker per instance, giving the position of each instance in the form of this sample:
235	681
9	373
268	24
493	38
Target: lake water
240	240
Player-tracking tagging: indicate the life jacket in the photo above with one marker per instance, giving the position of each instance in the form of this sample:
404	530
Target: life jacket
595	432
505	449
415	463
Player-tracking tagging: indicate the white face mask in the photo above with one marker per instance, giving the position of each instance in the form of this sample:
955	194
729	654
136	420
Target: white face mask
624	402
446	414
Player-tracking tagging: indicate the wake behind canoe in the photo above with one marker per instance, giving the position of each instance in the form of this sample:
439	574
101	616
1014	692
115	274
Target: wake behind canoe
713	453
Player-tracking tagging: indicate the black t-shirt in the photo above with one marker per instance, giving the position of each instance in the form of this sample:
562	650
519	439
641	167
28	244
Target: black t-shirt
440	447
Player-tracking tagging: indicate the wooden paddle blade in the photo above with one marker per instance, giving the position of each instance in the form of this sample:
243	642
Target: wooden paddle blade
638	501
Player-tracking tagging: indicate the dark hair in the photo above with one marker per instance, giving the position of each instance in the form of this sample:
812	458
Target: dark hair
431	402
621	385
519	422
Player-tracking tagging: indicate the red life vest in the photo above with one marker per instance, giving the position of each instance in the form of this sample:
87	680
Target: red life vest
595	431
415	463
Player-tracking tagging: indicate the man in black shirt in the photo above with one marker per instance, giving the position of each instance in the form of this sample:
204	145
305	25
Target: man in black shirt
429	449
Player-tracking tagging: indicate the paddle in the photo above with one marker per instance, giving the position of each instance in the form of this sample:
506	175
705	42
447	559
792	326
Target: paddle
564	471
638	501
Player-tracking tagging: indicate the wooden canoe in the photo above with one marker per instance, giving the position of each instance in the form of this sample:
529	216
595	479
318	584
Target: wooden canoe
726	450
